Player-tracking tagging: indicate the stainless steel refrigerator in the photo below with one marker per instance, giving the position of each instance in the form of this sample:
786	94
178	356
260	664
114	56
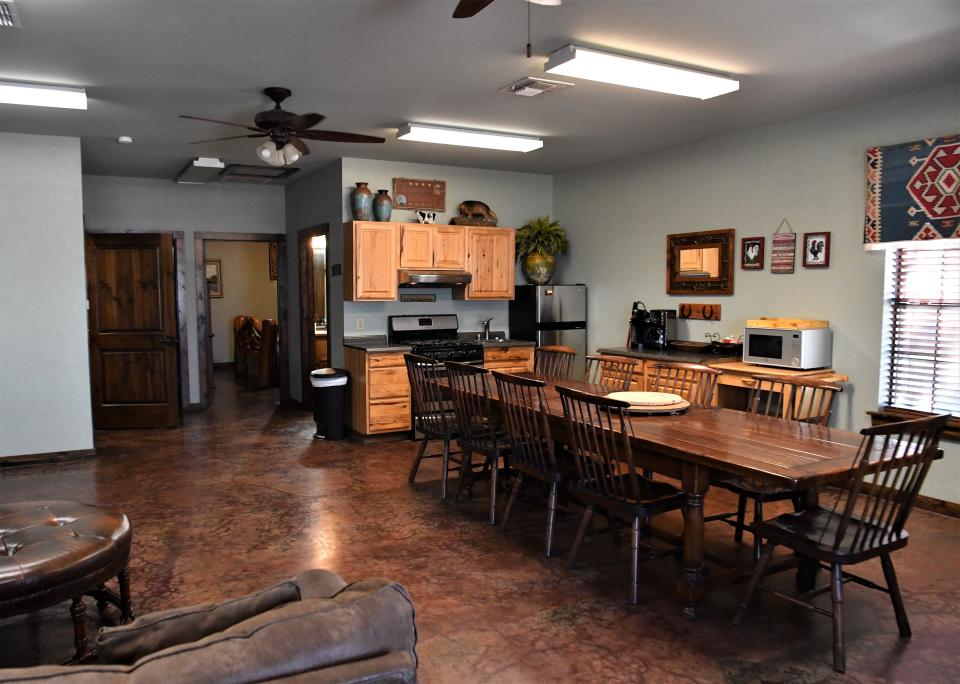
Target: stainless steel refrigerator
552	314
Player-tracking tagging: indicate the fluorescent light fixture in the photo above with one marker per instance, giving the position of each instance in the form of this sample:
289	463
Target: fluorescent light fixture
42	95
634	72
468	137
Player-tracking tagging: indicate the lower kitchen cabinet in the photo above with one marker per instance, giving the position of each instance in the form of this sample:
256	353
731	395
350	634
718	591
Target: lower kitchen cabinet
508	359
380	389
379	392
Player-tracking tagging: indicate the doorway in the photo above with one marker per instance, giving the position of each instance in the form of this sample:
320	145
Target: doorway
132	319
262	352
314	305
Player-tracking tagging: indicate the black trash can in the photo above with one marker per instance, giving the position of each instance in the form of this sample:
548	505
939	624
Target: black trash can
329	401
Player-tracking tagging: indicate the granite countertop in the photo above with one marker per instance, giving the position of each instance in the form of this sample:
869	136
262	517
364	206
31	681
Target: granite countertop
378	343
668	355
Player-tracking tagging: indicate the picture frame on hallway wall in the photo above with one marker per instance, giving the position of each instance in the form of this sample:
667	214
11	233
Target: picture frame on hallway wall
816	250
214	278
751	253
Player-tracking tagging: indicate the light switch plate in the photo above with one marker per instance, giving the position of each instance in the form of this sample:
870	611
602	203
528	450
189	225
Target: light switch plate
359	324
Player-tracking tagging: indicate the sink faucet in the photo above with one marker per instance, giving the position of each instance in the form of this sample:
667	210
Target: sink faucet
486	328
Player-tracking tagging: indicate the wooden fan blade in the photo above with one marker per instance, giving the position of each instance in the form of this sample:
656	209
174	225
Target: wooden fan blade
336	136
230	137
302	122
300	145
225	123
468	8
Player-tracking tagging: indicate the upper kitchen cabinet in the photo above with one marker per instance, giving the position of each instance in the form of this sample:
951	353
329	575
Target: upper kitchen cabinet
416	245
490	258
450	247
371	260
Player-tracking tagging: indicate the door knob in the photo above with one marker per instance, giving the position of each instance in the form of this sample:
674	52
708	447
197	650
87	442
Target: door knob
167	340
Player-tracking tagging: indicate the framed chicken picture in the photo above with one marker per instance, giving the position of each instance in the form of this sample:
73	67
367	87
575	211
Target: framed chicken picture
816	250
751	253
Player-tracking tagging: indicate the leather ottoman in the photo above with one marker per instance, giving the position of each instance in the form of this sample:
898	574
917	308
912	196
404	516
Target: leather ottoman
52	551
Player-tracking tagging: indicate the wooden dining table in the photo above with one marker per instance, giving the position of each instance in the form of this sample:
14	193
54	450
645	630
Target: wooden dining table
703	445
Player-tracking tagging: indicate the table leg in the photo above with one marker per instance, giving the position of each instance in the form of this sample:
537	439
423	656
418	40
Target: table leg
807	572
690	584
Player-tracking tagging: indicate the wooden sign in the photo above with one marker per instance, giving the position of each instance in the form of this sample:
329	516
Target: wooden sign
413	194
784	250
700	312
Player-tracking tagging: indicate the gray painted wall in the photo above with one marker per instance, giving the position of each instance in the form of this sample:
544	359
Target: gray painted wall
809	170
149	204
45	402
515	197
312	201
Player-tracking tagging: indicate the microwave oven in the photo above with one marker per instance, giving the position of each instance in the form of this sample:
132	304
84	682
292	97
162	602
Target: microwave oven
784	348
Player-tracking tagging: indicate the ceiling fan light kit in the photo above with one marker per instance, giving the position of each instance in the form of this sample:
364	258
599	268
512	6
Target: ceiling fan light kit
468	137
38	95
636	72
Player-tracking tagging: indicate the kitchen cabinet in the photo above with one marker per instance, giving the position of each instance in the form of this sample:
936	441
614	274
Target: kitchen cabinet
371	260
508	359
380	395
450	248
490	259
416	246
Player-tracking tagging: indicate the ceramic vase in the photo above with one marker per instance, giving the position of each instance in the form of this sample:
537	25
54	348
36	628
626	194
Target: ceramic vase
538	268
382	206
361	203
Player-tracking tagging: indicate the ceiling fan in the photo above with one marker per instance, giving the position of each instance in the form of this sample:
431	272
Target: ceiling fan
468	8
285	130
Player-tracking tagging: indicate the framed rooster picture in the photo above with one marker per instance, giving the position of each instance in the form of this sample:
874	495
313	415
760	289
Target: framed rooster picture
751	253
816	250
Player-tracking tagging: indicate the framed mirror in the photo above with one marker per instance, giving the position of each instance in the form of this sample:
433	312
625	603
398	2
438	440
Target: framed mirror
700	263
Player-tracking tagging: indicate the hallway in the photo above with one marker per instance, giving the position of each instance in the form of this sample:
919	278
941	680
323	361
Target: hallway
242	496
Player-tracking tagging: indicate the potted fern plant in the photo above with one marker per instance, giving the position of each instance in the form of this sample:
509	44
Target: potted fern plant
539	240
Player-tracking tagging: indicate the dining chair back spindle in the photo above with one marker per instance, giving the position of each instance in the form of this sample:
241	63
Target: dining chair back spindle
806	400
613	373
478	425
555	361
532	452
433	414
693	381
865	521
607	476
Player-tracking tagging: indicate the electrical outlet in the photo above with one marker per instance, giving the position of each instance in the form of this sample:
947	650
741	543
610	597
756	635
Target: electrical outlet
359	324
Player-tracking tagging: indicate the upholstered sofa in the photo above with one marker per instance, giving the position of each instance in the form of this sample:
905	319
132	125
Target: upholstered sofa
312	628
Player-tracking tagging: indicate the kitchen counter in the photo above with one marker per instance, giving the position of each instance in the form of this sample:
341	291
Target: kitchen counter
669	355
378	343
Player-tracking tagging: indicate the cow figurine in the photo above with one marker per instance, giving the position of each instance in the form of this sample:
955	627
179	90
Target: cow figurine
474	213
426	216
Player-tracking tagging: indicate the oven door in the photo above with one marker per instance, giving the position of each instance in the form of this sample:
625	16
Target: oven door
769	347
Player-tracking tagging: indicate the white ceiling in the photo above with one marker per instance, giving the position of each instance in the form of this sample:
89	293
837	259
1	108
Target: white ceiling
371	65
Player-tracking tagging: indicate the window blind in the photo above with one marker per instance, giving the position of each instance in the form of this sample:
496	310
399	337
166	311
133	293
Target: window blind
921	337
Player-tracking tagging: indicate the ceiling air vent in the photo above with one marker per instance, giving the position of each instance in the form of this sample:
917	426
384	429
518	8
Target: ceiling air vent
247	173
8	15
531	87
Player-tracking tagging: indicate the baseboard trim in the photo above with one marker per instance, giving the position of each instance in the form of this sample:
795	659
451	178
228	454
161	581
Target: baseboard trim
928	503
47	457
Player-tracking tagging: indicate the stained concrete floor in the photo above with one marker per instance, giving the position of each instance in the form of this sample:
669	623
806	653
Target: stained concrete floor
241	496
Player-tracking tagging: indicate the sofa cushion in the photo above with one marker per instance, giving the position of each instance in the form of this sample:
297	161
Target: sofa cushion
365	620
166	628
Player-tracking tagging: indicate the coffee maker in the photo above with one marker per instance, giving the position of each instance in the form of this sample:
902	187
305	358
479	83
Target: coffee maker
652	329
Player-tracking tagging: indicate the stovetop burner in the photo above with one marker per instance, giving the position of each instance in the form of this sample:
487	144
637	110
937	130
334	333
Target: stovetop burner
434	337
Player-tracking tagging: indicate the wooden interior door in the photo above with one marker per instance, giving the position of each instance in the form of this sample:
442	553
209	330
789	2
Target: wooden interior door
132	325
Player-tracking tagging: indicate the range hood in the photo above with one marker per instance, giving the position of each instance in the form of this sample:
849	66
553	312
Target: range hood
433	278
